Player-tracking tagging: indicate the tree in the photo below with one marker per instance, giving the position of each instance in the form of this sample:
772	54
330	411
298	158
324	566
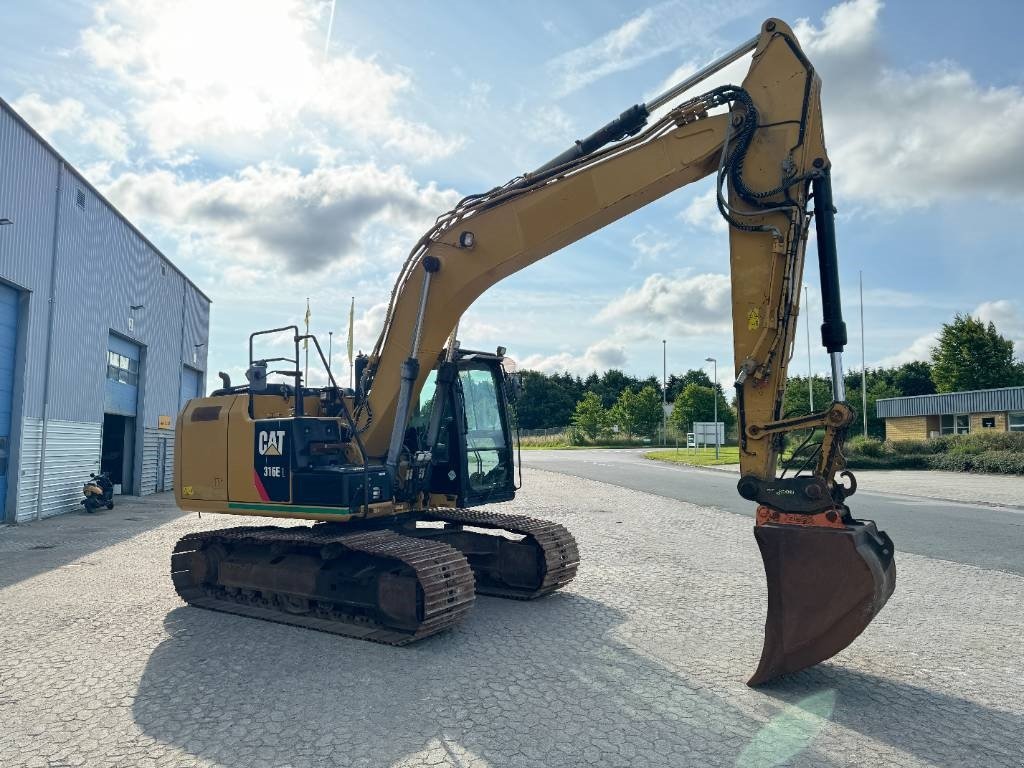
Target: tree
546	401
877	389
697	403
797	402
677	384
638	413
651	381
914	378
590	418
972	355
611	384
623	413
649	415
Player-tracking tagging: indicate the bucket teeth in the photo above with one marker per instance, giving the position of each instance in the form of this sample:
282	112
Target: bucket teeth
825	585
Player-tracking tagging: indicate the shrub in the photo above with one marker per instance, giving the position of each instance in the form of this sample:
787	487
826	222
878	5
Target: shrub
891	461
996	461
991	441
864	446
913	447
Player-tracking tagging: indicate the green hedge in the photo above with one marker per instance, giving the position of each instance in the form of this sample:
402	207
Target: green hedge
994	452
1001	462
888	462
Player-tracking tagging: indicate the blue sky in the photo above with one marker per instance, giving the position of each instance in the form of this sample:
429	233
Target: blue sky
273	158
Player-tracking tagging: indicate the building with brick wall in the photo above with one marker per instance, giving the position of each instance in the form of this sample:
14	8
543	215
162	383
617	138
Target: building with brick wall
952	413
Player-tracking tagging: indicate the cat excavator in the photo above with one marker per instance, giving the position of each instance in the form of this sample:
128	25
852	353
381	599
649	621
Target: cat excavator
398	470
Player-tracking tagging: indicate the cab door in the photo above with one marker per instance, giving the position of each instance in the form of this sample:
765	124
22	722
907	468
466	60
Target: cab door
482	413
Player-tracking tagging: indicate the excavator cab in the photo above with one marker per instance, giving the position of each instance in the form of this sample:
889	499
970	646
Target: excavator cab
471	450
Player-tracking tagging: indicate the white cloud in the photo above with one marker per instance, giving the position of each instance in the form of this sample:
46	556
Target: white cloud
919	349
893	136
680	305
650	245
68	120
848	26
657	30
550	124
1004	313
277	218
1006	316
702	213
598	357
230	73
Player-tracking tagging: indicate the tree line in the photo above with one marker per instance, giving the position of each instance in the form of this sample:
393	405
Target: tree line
969	354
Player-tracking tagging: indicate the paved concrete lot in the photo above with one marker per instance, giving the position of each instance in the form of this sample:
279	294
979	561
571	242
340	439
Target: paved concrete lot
641	662
924	512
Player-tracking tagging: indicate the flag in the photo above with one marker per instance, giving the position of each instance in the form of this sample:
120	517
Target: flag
351	330
308	315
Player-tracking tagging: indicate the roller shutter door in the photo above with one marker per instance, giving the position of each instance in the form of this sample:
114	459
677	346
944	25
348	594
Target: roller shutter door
191	381
8	341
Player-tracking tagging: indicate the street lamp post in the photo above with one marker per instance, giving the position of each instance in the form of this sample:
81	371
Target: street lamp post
714	394
664	393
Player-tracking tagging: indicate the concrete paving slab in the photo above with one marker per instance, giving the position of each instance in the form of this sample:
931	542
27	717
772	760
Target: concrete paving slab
640	662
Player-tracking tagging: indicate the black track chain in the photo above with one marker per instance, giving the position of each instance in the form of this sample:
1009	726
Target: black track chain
444	576
560	553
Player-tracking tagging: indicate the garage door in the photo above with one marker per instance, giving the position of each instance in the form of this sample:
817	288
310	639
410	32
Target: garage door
191	385
121	393
8	338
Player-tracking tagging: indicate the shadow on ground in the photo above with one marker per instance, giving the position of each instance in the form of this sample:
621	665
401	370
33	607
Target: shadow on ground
30	549
936	728
231	689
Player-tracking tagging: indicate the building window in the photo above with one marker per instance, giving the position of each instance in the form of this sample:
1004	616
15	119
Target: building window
123	369
1015	422
955	424
988	422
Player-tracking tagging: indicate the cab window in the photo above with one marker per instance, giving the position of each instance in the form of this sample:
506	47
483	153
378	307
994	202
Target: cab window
487	454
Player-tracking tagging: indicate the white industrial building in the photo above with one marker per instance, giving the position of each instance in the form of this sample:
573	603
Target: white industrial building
102	339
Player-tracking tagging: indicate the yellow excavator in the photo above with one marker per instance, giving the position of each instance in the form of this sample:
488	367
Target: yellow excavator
394	470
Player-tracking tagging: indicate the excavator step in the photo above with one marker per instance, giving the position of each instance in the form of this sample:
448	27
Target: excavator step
373	585
538	558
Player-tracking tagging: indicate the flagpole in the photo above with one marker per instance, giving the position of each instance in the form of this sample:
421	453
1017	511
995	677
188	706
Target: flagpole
306	343
863	365
351	339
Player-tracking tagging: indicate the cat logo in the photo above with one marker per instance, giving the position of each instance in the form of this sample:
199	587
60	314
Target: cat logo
271	443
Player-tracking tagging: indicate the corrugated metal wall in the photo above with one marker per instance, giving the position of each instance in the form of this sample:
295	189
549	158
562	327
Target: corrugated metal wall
28	472
72	452
98	248
158	458
977	401
104	266
28	183
168	461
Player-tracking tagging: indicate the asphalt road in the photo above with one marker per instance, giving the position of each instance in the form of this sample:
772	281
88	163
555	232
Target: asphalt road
973	534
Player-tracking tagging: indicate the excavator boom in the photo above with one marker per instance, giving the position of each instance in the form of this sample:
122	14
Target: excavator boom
828	573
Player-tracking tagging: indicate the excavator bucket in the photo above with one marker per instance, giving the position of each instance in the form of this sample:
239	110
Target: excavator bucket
826	582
